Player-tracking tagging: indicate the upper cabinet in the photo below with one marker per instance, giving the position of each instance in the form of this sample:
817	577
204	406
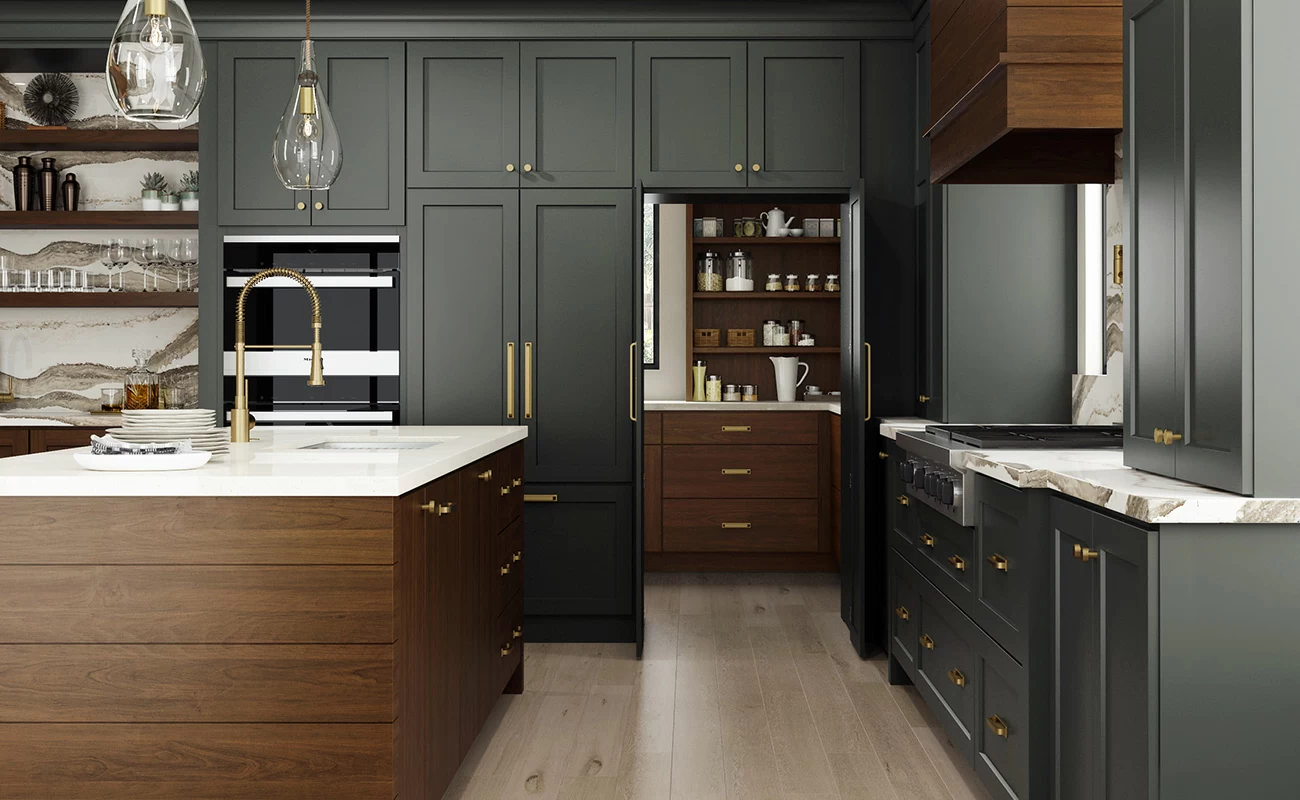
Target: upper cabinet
363	84
730	115
1024	91
532	115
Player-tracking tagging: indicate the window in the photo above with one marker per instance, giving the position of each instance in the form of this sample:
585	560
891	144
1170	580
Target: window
650	285
1092	280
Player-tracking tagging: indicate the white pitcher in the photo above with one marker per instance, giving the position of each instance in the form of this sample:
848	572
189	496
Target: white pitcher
774	222
786	367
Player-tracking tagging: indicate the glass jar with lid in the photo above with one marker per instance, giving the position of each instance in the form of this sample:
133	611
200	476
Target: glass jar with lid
708	272
730	393
833	282
813	283
792	283
773	282
740	272
141	383
713	389
771	328
749	393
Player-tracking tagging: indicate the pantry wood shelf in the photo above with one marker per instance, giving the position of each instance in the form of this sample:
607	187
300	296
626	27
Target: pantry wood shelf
99	299
710	241
765	351
142	139
98	220
769	296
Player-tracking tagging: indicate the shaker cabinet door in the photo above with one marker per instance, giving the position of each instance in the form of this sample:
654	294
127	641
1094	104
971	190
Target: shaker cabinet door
255	81
578	550
690	114
804	125
1076	689
463	110
365	85
577	291
576	114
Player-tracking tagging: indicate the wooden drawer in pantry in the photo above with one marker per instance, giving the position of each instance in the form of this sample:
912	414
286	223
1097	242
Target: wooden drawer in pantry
947	662
508	646
740	427
737	526
738	471
508	566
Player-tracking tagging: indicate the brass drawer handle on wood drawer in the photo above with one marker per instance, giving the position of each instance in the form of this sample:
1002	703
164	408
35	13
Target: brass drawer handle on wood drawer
955	675
439	509
505	569
736	471
541	498
927	540
518	556
1084	554
998	727
731	525
999	562
485	476
927	642
507	649
901	613
735	429
957	562
518	632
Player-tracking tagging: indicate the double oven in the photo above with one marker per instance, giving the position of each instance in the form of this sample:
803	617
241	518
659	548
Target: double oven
358	280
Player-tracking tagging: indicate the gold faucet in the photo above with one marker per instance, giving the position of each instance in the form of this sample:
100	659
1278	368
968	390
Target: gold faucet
240	422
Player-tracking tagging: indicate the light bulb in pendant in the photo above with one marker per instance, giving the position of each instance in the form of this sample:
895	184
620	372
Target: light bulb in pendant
156	34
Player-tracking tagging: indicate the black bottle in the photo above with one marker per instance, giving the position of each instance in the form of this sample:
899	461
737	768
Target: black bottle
24	184
71	192
48	184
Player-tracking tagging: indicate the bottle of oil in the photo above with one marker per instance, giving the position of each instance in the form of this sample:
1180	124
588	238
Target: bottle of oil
141	383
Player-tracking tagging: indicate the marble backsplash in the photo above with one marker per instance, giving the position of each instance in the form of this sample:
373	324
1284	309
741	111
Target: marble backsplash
58	358
1099	399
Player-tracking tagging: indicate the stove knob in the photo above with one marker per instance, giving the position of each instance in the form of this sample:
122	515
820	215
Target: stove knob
907	469
932	483
956	493
947	491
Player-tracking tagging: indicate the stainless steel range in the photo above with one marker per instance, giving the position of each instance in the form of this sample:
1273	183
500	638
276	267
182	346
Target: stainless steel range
929	474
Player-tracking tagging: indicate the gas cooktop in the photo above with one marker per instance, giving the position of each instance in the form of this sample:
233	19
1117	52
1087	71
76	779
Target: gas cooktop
1024	437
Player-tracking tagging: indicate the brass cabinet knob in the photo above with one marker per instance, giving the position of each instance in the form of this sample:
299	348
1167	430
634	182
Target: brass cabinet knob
998	727
902	500
882	455
926	642
517	556
1171	437
510	167
446	509
485	476
439	509
924	398
505	490
505	569
999	563
528	167
319	206
507	649
517	633
927	540
1085	554
756	168
740	168
955	675
957	562
901	613
302	206
517	482
1161	435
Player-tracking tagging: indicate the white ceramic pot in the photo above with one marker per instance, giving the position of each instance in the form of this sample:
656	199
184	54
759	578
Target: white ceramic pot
170	202
189	201
150	201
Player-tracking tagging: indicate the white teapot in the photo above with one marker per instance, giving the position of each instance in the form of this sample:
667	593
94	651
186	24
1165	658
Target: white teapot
775	223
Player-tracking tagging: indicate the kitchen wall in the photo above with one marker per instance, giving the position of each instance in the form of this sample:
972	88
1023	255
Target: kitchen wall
61	358
669	381
1099	399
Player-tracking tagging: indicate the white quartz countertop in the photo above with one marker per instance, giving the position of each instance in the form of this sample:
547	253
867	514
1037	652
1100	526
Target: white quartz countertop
824	403
275	466
58	419
890	426
1099	477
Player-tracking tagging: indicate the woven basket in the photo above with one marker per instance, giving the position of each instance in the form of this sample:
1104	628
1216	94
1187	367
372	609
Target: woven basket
708	337
740	337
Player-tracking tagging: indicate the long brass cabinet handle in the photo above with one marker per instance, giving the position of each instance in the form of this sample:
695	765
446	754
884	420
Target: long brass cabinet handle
541	498
958	563
735	428
510	380
528	380
999	563
868	344
736	471
926	642
731	525
998	727
1085	554
901	613
631	382
955	675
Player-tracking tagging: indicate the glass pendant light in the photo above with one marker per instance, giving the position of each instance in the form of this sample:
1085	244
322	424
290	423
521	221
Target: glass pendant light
308	153
155	67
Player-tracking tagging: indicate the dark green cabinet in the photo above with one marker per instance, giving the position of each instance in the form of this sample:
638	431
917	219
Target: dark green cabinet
921	102
363	83
804	118
462	344
579	544
577	289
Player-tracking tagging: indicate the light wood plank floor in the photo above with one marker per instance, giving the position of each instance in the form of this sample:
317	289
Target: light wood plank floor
748	689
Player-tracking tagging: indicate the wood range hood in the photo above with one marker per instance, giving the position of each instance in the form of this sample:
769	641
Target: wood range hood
1025	91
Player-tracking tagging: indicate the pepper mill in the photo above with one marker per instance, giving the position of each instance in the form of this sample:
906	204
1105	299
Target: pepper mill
48	182
71	192
24	184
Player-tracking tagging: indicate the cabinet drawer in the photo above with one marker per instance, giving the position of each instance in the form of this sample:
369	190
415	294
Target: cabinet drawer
900	514
508	485
734	526
946	662
742	427
1003	565
740	471
1002	761
508	643
508	566
948	550
904	613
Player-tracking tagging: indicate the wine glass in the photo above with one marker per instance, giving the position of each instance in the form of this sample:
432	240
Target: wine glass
120	254
6	283
189	256
152	257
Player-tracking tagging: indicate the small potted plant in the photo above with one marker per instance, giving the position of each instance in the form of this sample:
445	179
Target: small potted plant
152	188
170	201
190	191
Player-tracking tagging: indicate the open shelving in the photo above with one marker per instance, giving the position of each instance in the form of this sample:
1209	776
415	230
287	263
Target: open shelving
50	140
99	299
98	220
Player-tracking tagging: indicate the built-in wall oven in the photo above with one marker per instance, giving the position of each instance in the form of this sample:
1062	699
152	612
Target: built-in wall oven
359	283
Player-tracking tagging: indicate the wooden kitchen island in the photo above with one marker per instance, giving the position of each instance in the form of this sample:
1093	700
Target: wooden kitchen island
282	623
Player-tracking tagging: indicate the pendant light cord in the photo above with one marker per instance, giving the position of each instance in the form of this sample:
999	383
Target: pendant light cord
309	20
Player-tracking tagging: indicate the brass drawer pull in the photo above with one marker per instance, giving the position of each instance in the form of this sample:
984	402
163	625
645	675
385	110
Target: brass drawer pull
505	490
927	642
927	540
485	476
439	509
957	562
901	613
998	727
507	649
1085	554
924	398
541	498
735	429
957	678
518	632
902	500
744	525
737	471
505	570
999	562
518	556
882	455
516	482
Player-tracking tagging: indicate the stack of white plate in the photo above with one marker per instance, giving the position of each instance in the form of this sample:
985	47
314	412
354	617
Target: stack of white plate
198	425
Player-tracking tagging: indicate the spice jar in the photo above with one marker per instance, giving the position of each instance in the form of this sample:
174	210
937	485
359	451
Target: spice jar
792	283
749	393
833	282
740	272
770	329
813	283
730	393
773	282
796	330
713	389
708	272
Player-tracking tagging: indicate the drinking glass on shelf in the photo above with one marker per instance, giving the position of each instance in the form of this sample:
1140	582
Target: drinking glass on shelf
189	258
151	260
6	283
119	255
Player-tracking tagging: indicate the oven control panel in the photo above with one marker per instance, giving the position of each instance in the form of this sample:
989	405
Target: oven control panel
939	486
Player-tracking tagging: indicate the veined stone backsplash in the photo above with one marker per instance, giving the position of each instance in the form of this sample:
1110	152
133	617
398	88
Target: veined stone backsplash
60	359
1099	399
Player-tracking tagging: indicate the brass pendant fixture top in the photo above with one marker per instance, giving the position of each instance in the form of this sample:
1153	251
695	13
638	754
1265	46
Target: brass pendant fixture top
308	153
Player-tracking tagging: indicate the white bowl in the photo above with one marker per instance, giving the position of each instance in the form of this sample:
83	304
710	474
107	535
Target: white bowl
150	463
796	232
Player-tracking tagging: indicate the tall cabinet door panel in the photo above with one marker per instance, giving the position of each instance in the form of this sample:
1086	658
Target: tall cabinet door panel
576	318
804	123
1076	698
463	114
690	114
463	249
576	114
1154	175
365	85
255	81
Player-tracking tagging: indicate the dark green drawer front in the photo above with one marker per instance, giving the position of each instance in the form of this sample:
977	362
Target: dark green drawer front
947	672
951	555
904	612
1002	762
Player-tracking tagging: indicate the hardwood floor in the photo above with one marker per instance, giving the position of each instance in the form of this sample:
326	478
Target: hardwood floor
748	690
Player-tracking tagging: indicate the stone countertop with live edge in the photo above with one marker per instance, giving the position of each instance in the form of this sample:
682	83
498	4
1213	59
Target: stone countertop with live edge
823	403
283	462
58	419
891	426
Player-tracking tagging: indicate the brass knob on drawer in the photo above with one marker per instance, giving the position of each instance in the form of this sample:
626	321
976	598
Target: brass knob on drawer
439	509
1159	435
926	642
517	556
998	727
1085	554
505	490
516	481
957	562
901	613
927	540
507	649
924	398
319	206
485	476
955	675
882	455
999	563
518	632
902	500
505	569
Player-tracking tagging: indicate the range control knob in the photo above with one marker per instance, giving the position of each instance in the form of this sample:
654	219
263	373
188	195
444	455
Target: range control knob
907	469
932	483
947	491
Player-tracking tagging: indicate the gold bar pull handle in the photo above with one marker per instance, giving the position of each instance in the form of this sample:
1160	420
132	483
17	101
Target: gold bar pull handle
927	540
631	381
736	471
955	675
528	380
926	642
868	344
731	525
998	727
510	380
735	428
541	498
999	563
901	613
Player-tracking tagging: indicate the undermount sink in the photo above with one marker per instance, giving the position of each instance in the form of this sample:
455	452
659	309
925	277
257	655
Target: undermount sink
369	447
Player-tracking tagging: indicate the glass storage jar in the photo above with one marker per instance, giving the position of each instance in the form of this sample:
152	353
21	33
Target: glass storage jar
740	272
749	393
773	282
713	389
708	272
833	282
770	328
796	330
730	393
813	283
792	283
